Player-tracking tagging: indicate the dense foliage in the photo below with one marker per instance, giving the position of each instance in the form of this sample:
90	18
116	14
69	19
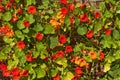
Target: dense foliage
59	40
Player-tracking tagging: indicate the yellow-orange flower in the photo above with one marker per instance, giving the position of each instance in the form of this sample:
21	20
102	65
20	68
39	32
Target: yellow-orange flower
61	20
82	62
54	23
77	60
10	33
60	15
93	55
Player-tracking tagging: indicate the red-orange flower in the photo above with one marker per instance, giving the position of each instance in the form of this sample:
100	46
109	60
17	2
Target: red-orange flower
29	57
102	55
2	8
19	11
62	39
16	74
93	55
59	54
64	10
39	36
57	77
108	32
78	70
89	34
63	1
24	73
68	49
71	7
31	9
3	67
72	21
84	18
97	14
8	5
26	23
20	44
6	73
82	6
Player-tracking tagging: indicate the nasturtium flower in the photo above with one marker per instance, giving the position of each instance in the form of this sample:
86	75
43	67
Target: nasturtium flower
72	21
90	34
39	36
84	18
3	67
82	6
19	11
15	73
93	55
71	7
26	23
97	14
63	1
59	54
29	57
68	49
64	11
8	5
2	8
62	39
31	9
108	32
74	78
20	44
82	62
60	15
57	77
6	73
102	55
24	72
78	70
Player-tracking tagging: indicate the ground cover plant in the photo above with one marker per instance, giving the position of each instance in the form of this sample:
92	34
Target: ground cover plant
59	40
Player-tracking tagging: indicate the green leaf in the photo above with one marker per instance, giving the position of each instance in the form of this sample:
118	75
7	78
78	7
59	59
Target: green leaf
77	21
107	67
30	18
7	39
54	72
68	76
116	34
19	34
40	73
6	49
7	16
40	46
26	30
97	27
20	24
17	1
82	30
2	56
50	11
53	42
30	2
62	62
49	29
38	27
67	22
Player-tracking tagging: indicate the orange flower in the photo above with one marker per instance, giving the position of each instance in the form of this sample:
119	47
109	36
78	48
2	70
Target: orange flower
10	33
93	55
77	60
82	62
60	15
54	23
